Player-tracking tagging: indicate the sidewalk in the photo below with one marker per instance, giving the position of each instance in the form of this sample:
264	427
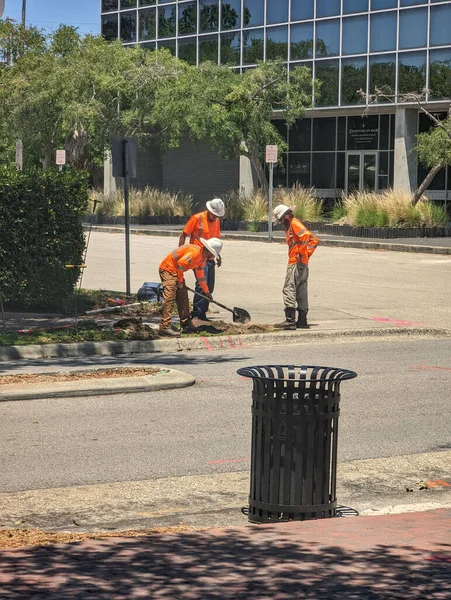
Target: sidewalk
406	556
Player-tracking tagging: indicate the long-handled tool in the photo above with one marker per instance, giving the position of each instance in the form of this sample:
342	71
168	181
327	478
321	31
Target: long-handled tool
240	315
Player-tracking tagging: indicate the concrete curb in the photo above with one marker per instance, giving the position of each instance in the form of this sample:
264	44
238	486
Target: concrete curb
168	379
13	353
336	243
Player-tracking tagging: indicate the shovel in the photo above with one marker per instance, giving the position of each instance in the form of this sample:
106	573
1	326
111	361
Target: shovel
239	314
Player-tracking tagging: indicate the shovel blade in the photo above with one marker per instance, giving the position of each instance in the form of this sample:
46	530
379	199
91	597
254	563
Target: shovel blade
240	315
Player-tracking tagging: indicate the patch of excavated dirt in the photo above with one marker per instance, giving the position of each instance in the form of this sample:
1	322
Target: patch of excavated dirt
97	374
21	538
221	327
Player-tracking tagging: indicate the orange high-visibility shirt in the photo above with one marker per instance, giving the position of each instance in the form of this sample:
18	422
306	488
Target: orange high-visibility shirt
301	243
185	258
199	226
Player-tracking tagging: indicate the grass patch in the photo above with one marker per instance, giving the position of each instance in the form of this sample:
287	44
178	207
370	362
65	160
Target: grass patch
306	205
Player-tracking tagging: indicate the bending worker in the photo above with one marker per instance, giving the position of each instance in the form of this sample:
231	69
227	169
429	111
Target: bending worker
301	245
171	272
204	225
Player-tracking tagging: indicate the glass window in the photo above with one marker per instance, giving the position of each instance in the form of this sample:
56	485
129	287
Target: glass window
230	14
187	18
128	26
413	28
441	25
128	4
326	72
384	123
412	2
169	44
166	21
187	50
230	48
164	1
252	46
301	41
299	169
353	79
280	173
381	4
354	6
208	48
300	135
355	35
149	45
440	74
277	43
208	15
110	27
253	13
383	170
327	8
147	2
301	10
328	38
341	162
341	133
108	5
363	133
147	24
412	72
383	32
392	131
277	12
382	73
324	133
281	127
323	170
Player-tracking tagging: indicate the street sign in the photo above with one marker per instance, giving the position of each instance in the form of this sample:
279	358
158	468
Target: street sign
2	7
123	150
60	157
271	154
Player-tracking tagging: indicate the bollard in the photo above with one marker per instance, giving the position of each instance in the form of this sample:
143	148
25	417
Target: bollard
295	412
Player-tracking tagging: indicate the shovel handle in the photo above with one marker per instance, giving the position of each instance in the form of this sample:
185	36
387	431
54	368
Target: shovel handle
205	298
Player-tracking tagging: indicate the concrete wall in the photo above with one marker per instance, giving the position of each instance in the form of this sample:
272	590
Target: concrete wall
406	165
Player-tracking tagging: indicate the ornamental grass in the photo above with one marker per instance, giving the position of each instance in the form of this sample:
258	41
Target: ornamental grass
306	205
148	202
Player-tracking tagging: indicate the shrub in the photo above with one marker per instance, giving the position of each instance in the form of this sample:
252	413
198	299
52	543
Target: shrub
40	233
143	203
256	207
307	206
234	202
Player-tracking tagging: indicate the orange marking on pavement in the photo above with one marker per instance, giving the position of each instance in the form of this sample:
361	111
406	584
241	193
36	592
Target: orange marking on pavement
437	482
230	460
207	343
396	322
430	368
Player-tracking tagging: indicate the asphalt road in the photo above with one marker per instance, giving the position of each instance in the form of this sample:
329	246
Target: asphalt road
398	405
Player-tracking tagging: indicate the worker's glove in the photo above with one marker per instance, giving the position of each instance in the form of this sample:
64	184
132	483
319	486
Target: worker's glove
209	296
218	261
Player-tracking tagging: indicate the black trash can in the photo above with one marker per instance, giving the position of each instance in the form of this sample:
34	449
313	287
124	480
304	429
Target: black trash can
295	413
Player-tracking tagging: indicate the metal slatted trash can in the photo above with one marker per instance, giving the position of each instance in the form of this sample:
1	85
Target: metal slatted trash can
295	412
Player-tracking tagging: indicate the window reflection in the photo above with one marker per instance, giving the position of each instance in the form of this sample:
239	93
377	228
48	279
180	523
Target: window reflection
128	26
413	28
412	2
300	135
166	21
253	13
328	38
440	73
208	15
353	79
187	18
323	170
355	35
147	24
253	46
383	32
110	27
230	14
324	134
354	6
169	45
187	50
147	2
299	169
108	5
327	8
301	10
277	43
382	74
208	48
230	48
441	25
128	4
381	4
301	41
326	71
412	72
277	12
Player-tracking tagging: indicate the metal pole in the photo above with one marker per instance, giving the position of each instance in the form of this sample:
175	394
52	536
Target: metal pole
127	224
24	12
271	181
447	168
3	313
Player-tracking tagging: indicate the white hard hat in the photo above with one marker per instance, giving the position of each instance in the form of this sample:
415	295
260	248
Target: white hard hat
216	206
213	245
279	212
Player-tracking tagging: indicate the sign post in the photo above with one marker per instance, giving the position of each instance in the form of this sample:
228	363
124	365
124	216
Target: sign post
60	158
271	159
19	155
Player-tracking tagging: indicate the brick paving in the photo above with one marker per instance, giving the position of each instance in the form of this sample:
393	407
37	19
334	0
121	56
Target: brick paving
405	556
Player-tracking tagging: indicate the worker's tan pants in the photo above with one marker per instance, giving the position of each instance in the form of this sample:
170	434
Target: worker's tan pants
295	291
171	294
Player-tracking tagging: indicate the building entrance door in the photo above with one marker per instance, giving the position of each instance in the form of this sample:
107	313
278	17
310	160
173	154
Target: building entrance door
361	171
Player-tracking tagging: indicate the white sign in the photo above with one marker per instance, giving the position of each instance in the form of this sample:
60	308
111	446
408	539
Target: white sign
60	157
271	154
2	7
19	153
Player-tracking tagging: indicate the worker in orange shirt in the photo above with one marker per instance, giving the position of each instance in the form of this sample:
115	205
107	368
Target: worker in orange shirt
301	245
172	270
204	225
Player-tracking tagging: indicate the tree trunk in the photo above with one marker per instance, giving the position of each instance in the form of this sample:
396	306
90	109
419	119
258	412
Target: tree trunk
261	175
47	162
425	183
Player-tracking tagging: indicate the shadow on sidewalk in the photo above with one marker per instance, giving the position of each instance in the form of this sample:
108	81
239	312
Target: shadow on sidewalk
255	563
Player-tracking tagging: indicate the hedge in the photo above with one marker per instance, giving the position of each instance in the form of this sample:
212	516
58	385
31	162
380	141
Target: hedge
40	233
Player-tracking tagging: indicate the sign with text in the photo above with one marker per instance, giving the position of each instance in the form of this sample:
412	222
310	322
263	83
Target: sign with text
363	134
271	154
60	157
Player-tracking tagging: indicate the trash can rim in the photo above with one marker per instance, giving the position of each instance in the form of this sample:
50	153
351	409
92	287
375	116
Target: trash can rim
340	373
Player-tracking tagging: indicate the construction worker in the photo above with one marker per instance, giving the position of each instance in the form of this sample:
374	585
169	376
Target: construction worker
205	225
301	245
171	272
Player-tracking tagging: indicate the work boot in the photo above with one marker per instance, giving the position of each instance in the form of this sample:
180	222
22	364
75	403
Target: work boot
290	320
168	332
301	323
188	327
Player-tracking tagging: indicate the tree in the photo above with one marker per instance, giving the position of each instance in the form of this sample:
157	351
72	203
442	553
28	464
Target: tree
233	112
